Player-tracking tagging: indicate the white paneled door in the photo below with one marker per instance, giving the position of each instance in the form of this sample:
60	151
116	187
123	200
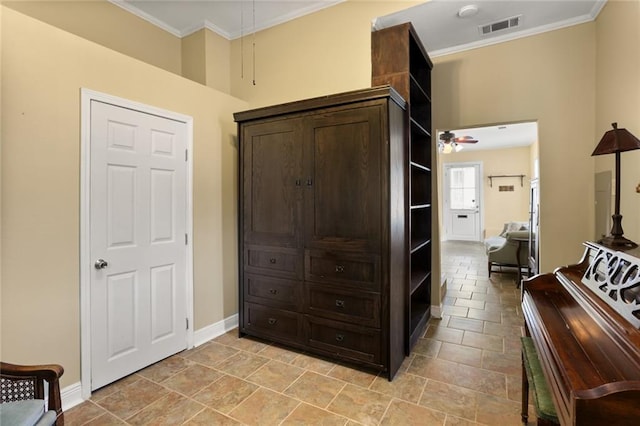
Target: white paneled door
138	216
462	197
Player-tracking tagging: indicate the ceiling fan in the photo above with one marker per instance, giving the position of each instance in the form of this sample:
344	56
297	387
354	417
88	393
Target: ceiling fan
449	142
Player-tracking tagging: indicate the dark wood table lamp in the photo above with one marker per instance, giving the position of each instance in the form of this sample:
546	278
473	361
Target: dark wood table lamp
614	142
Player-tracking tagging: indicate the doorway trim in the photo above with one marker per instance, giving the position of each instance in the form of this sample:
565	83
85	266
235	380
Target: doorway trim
86	96
480	191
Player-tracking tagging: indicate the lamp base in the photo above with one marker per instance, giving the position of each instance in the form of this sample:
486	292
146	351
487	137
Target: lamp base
617	242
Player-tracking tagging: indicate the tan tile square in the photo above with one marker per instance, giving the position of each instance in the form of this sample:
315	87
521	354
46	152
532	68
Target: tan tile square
476	304
484	315
306	414
82	413
407	387
242	364
166	368
457	421
133	398
172	409
317	364
466	324
352	375
246	343
459	311
486	297
279	353
191	380
210	417
226	393
459	294
276	375
483	341
514	388
462	354
497	411
445	334
315	389
404	413
428	347
510	364
459	374
450	399
114	387
106	419
362	405
212	354
264	407
497	329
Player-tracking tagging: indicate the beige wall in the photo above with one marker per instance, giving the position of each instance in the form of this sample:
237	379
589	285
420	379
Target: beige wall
206	59
108	25
193	51
500	207
549	78
618	100
43	70
318	54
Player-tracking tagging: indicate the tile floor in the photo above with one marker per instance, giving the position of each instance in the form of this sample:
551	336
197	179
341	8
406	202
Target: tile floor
464	371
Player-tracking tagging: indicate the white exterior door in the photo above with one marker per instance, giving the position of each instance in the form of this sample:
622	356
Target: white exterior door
462	201
138	247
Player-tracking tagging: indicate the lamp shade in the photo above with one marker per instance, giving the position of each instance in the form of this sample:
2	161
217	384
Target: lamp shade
616	140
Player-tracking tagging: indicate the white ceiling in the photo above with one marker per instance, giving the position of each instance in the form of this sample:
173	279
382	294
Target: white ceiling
436	21
498	136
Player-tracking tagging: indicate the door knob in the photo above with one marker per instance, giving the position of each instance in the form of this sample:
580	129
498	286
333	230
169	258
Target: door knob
101	264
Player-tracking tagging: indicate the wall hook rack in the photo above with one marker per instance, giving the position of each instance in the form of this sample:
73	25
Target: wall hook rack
491	177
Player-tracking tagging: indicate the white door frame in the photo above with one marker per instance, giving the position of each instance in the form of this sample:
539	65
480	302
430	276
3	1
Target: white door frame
87	96
445	202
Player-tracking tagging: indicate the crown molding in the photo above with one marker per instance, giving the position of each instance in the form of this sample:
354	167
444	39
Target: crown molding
520	34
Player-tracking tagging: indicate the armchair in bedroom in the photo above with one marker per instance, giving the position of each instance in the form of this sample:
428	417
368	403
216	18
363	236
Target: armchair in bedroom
22	391
510	248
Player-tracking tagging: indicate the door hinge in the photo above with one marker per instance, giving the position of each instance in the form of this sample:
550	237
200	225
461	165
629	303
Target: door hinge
186	155
186	239
187	321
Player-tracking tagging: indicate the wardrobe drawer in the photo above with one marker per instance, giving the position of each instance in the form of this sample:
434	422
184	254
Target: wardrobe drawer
280	262
355	270
345	340
274	323
277	292
353	306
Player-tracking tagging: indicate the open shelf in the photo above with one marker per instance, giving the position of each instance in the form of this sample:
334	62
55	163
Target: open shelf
402	61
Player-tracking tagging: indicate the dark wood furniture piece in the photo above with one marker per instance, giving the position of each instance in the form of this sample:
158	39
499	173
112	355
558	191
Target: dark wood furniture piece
26	382
398	58
323	226
584	320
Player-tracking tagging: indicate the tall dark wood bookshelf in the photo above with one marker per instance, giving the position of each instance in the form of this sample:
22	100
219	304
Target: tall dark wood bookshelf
399	59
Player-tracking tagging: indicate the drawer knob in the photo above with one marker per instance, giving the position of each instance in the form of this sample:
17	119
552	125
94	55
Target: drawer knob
272	260
272	321
339	268
339	337
273	291
339	303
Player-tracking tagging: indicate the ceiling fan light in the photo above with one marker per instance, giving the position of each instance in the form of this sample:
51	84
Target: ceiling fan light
459	147
447	148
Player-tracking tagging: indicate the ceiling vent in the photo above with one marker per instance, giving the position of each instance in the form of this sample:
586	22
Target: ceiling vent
505	24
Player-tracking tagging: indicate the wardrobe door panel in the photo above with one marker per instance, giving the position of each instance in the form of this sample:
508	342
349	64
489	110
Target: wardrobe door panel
343	194
272	156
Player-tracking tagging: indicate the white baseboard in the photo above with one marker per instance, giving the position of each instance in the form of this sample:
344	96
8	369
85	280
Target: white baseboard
436	311
72	394
212	331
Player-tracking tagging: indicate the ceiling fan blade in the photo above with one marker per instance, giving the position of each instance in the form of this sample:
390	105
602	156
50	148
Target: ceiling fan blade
465	139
